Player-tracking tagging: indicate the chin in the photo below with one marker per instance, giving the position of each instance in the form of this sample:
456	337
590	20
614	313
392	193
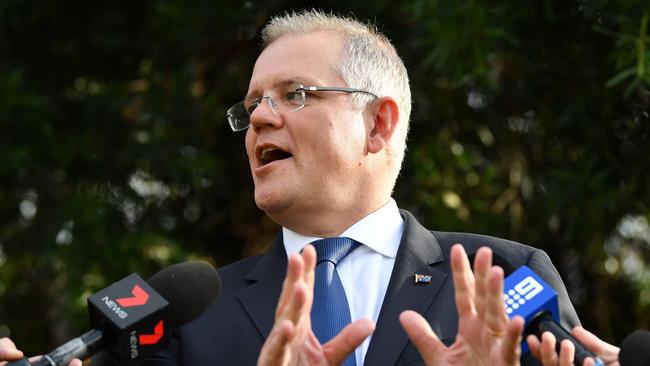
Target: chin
269	201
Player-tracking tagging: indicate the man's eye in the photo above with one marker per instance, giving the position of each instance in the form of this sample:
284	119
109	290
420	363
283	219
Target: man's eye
294	97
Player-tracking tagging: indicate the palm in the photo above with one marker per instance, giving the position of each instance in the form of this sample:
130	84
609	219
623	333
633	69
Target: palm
305	352
485	336
474	345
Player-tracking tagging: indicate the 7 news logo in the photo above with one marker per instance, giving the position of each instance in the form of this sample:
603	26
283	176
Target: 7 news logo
139	297
145	339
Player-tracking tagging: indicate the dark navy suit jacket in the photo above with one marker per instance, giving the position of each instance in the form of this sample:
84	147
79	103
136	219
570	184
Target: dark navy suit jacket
232	330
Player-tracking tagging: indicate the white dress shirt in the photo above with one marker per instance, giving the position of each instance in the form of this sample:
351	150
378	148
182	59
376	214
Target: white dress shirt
366	271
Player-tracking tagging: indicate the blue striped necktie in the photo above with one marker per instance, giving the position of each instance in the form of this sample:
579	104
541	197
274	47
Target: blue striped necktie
330	312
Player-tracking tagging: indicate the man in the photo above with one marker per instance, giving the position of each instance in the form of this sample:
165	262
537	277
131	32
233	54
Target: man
326	117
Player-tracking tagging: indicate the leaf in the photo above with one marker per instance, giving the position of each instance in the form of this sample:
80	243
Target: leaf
621	76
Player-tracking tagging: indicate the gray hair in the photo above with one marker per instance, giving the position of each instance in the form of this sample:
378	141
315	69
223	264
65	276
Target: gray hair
370	62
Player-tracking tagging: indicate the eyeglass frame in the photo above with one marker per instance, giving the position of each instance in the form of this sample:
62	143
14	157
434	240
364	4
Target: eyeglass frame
301	88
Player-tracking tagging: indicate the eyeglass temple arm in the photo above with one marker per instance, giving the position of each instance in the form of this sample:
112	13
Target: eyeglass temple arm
337	89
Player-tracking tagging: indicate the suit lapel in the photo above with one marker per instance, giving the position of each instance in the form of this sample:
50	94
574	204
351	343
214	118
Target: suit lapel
417	251
261	297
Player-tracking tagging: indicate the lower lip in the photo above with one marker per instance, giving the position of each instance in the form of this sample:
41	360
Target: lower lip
266	168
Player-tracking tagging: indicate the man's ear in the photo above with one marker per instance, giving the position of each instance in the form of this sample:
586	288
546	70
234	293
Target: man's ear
385	117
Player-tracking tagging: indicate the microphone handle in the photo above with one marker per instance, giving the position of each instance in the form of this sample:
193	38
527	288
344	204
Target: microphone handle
544	323
80	347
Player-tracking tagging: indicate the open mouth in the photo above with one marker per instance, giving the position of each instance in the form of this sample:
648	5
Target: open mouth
271	154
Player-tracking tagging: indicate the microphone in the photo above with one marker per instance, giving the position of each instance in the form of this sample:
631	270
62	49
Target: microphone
528	296
634	349
135	316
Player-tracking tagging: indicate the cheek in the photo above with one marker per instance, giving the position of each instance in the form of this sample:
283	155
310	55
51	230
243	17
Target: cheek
250	143
350	136
337	138
345	147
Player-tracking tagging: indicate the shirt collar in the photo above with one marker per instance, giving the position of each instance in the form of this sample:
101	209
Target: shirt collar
380	231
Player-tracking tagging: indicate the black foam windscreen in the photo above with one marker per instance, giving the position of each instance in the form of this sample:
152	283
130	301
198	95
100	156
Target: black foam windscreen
189	287
635	349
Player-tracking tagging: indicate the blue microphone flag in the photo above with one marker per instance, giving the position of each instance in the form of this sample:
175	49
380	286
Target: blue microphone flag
526	294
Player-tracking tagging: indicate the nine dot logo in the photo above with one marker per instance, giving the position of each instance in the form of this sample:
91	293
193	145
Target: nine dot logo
525	290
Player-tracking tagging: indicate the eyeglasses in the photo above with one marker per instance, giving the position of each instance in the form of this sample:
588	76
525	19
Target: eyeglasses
283	99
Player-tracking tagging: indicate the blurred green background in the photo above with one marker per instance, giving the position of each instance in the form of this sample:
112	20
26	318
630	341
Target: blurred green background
531	122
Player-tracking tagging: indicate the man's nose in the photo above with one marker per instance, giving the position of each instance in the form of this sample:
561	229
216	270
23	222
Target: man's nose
266	114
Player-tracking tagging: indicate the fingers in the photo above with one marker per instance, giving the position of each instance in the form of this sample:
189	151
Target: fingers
8	350
511	346
482	264
312	353
341	346
298	287
534	346
567	353
589	362
274	349
75	362
495	316
544	351
295	267
292	313
604	350
309	256
294	308
591	341
547	350
463	281
420	333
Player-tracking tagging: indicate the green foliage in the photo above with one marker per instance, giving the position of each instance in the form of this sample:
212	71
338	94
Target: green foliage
530	122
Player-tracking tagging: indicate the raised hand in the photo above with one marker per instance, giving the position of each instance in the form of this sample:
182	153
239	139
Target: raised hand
485	335
291	341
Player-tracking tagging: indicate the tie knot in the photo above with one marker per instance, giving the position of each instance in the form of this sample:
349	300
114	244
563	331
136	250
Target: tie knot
333	249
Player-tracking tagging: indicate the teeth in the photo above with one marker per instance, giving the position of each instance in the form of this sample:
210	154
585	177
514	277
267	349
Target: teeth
265	152
270	154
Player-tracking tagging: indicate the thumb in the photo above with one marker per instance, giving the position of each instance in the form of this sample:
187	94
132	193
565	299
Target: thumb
8	350
340	347
422	336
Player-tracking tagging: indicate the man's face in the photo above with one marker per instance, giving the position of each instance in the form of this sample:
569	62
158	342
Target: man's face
318	165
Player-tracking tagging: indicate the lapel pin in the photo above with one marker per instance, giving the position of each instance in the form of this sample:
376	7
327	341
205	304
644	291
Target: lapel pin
422	278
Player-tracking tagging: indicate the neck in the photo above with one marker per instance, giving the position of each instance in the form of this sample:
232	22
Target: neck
326	223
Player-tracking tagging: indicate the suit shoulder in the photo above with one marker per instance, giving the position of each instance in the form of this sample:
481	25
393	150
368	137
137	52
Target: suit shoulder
471	240
508	251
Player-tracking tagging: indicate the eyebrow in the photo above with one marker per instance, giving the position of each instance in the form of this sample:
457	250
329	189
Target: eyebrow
282	82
